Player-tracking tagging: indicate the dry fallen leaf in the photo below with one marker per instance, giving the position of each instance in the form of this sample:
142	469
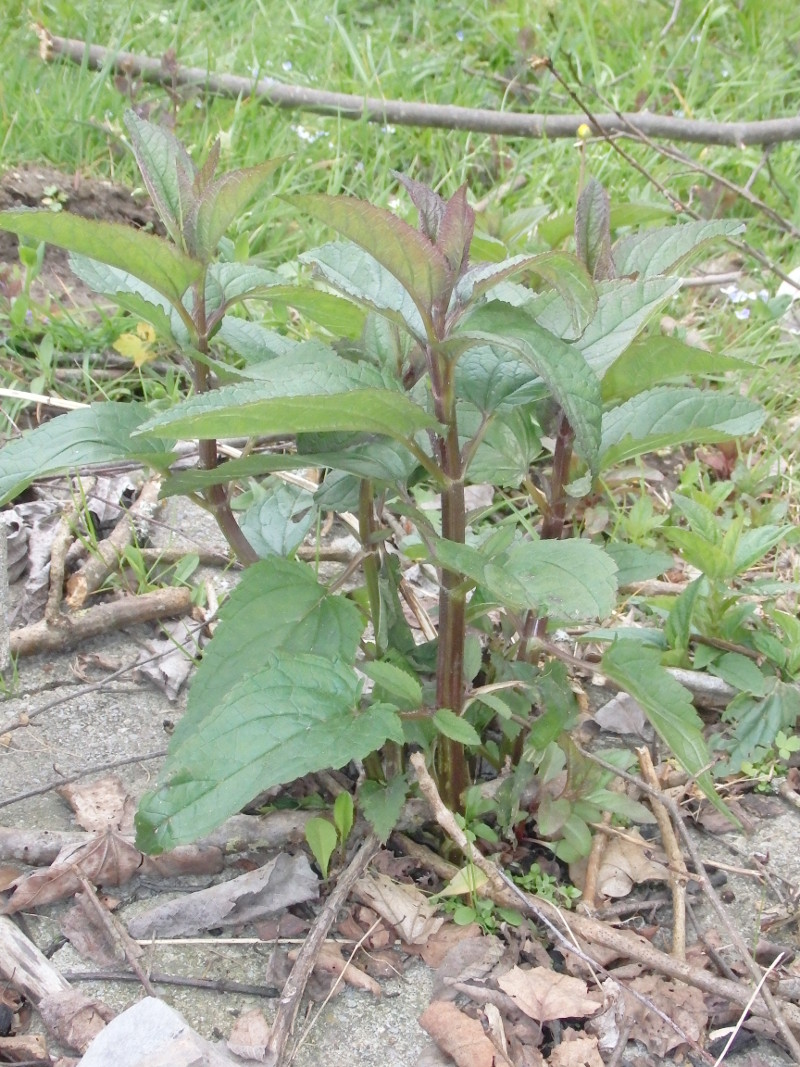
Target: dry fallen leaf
330	961
462	1038
403	906
107	859
467	961
575	1050
250	1036
684	1004
434	950
545	995
101	805
627	861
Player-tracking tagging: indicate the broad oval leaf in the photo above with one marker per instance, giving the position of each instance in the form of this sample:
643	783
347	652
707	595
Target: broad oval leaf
278	604
568	579
417	264
153	260
653	252
455	727
82	438
664	417
668	705
294	715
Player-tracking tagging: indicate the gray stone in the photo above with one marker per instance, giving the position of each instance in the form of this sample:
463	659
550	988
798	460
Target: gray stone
151	1034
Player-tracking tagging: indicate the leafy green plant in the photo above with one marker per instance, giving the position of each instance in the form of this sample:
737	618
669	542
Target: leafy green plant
445	372
323	837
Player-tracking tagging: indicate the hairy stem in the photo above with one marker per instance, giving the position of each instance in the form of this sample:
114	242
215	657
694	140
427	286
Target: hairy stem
366	531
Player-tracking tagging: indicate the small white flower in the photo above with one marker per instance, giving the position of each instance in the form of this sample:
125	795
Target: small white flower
742	313
287	64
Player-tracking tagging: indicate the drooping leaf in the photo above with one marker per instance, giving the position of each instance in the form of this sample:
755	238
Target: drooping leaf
380	460
739	671
293	715
251	341
81	438
668	706
361	277
593	230
311	390
153	260
381	804
652	361
564	272
407	254
332	312
658	251
221	202
277	605
572	383
167	170
669	416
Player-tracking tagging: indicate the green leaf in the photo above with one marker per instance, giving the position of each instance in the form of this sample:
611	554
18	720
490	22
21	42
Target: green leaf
278	518
343	815
742	673
229	283
252	341
637	564
132	295
310	390
564	272
757	722
652	361
507	449
155	261
277	605
293	715
593	230
653	252
669	416
398	685
322	840
491	379
754	544
572	383
167	170
454	727
678	627
221	202
358	275
81	438
381	804
407	254
328	310
668	706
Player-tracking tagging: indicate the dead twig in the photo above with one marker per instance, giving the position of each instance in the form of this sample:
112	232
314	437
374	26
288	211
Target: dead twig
66	779
218	985
269	91
296	982
677	867
105	557
58	556
40	637
116	932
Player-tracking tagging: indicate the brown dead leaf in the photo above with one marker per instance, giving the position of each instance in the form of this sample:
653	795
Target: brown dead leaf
469	960
107	859
627	861
683	1004
88	936
434	950
250	1036
404	907
330	961
101	805
462	1038
575	1050
545	995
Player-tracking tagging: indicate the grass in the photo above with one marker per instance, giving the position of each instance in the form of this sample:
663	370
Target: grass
721	60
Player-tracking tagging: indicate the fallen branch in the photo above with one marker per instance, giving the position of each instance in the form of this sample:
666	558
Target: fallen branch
106	556
217	985
71	630
622	942
304	964
269	91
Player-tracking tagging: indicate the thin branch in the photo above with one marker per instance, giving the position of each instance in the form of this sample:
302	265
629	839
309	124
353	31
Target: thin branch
269	91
